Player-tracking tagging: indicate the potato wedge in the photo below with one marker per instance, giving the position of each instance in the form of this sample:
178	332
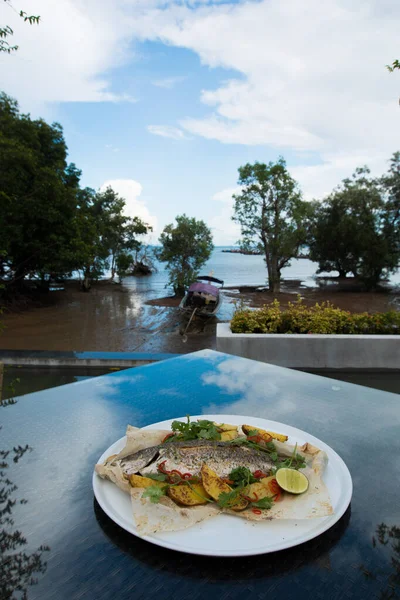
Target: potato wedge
192	495
260	489
226	427
214	486
229	435
144	482
264	435
278	436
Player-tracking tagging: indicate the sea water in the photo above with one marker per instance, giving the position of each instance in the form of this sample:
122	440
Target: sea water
233	269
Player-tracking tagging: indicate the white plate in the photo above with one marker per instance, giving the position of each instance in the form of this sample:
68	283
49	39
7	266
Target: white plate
227	535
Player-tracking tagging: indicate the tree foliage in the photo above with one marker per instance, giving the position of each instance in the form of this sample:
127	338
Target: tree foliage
395	65
38	193
49	225
271	214
104	235
356	228
185	247
6	31
18	569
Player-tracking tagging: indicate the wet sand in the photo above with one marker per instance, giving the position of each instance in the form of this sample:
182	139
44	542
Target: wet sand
110	318
115	318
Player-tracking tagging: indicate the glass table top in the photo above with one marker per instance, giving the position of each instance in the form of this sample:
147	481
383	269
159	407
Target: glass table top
89	556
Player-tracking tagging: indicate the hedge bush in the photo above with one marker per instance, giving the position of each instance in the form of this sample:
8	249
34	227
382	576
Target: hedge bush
321	318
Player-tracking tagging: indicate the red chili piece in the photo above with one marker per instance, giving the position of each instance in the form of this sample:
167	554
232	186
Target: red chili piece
259	474
275	489
256	511
247	498
254	438
167	436
162	469
255	499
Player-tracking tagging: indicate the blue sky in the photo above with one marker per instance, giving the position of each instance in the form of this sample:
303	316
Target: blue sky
165	99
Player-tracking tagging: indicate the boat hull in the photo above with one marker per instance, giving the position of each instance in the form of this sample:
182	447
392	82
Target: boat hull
204	311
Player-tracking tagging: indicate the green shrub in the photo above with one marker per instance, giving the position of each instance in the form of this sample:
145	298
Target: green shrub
321	318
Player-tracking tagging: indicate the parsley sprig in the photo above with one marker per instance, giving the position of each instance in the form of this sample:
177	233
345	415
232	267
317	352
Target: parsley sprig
193	430
155	493
269	447
295	461
242	477
265	503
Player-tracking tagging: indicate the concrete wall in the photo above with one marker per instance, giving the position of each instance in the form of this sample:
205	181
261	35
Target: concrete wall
313	351
43	358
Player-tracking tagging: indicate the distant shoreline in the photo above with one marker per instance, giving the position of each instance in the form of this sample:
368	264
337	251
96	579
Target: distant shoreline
238	251
255	253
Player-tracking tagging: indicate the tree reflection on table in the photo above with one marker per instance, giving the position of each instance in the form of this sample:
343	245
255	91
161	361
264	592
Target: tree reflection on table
17	568
389	537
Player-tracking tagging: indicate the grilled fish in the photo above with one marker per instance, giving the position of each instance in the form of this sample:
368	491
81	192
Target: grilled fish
133	463
188	457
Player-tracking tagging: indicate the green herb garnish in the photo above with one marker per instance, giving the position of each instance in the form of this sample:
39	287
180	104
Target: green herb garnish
242	476
202	429
154	493
229	499
269	447
266	503
295	461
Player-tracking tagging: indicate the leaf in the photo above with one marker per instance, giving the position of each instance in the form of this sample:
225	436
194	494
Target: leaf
242	476
154	493
228	499
263	503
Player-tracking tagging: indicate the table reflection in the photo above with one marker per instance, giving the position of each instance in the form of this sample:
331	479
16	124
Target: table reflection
219	569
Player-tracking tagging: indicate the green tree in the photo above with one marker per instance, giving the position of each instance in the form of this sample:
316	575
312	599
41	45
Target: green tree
105	237
390	186
271	214
7	32
38	197
185	247
337	240
121	236
354	230
395	65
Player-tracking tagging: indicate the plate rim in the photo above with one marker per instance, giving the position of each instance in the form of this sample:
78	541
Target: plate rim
326	522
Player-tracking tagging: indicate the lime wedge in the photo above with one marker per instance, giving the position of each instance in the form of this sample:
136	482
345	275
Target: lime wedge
292	481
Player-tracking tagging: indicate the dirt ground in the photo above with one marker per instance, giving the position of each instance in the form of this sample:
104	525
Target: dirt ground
114	318
344	295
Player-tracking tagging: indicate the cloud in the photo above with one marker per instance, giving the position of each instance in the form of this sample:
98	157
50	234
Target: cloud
167	131
225	231
168	82
317	181
251	132
66	57
310	76
70	55
131	190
